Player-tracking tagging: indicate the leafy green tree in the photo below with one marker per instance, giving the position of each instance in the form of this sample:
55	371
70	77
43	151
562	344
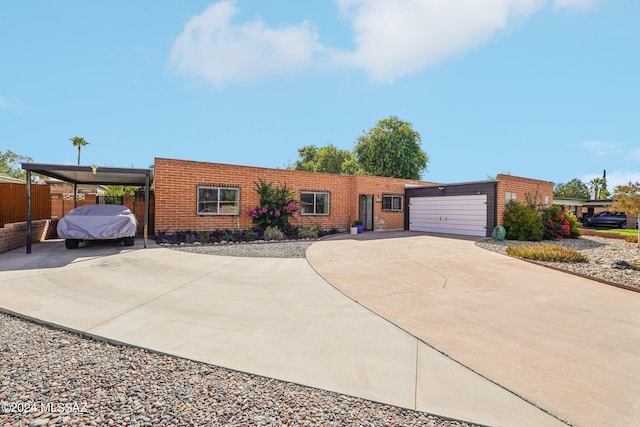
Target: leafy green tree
79	143
626	198
574	189
9	164
327	159
391	148
121	190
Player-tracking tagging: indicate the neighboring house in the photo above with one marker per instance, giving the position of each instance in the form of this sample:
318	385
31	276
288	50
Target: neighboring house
10	179
183	190
327	200
585	208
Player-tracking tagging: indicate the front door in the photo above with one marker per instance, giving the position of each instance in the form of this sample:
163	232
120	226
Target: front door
366	211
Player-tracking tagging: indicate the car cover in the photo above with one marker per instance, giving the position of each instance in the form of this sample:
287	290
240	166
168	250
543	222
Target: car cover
97	222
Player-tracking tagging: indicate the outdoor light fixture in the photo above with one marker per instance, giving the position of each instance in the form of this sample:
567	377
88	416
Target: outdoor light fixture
441	188
94	168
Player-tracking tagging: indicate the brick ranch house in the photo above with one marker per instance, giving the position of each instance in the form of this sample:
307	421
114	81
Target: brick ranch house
200	196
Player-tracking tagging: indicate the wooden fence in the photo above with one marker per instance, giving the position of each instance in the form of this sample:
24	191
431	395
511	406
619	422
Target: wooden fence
13	203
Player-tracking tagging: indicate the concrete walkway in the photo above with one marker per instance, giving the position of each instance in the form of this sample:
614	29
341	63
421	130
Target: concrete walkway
278	318
567	344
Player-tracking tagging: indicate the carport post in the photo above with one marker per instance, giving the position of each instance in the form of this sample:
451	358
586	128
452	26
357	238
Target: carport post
28	187
146	209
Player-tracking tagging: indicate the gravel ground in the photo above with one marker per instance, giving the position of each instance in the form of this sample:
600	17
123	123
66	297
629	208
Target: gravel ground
261	249
605	256
53	377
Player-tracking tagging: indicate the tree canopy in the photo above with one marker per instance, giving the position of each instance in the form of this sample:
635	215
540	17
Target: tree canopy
391	148
574	189
599	187
78	142
9	164
626	198
327	159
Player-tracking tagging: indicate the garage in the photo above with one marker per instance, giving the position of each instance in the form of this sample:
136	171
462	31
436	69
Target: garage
466	209
466	215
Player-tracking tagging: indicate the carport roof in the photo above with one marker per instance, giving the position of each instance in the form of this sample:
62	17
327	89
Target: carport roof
101	175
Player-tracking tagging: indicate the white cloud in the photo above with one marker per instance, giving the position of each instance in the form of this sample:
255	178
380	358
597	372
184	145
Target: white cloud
602	148
397	37
214	48
575	4
13	104
392	38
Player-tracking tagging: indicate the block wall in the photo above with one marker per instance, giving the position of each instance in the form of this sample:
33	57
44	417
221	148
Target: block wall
14	235
526	190
176	183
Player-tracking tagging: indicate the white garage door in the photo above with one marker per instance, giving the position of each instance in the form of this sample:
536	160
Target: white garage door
466	215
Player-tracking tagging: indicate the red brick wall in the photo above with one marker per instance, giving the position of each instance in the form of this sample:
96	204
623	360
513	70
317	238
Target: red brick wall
14	235
176	184
526	190
377	186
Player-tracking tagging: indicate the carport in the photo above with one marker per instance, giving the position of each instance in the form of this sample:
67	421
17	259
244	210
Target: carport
92	175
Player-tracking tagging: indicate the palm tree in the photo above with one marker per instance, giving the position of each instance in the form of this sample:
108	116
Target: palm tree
78	142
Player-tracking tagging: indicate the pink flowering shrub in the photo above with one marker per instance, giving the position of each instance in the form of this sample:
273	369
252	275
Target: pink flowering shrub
525	222
559	224
276	206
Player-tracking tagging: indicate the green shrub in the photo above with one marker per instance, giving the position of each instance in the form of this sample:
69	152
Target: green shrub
204	237
522	222
250	235
227	237
551	253
273	233
308	232
574	225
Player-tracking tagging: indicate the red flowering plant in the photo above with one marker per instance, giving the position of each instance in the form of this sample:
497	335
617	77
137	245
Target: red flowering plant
276	206
559	224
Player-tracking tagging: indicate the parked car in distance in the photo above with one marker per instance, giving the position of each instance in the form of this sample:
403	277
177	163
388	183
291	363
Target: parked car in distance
608	219
98	222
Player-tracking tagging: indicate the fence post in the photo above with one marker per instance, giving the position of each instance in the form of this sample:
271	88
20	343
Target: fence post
28	187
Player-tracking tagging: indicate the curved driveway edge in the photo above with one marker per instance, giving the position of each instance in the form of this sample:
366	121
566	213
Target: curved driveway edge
567	344
265	316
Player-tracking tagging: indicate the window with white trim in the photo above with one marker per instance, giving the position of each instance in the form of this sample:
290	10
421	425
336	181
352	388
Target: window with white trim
314	203
218	200
391	202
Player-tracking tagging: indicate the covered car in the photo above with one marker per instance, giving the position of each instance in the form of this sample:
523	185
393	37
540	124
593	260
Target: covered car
98	222
607	219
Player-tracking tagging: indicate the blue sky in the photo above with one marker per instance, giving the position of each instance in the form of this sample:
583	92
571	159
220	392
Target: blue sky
546	89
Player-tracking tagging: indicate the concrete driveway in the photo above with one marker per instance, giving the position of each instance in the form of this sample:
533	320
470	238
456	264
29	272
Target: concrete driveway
430	323
569	345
